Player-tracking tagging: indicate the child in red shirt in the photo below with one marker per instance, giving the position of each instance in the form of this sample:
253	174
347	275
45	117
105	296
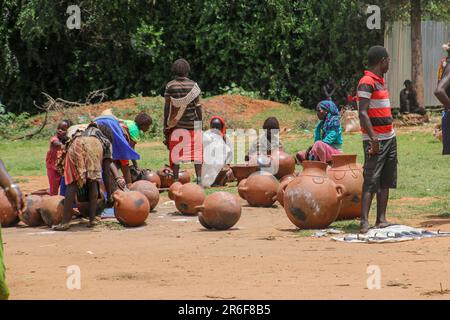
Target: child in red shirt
56	145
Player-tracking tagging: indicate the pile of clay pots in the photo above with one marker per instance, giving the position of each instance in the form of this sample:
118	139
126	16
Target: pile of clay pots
220	210
313	199
40	210
319	195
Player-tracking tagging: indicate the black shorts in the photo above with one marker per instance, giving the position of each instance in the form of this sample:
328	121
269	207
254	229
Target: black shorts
446	133
380	170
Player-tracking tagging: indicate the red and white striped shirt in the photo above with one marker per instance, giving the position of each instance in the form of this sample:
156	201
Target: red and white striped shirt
374	88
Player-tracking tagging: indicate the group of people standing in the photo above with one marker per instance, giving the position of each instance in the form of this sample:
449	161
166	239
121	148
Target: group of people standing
80	158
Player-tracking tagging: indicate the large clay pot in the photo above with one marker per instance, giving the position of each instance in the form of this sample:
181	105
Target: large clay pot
151	176
260	190
313	200
346	171
8	216
31	216
52	210
187	197
149	190
83	207
166	176
220	210
242	171
240	187
131	208
283	184
282	163
175	186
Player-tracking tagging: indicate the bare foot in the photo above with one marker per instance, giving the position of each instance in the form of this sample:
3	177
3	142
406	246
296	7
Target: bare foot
364	227
61	227
92	224
383	224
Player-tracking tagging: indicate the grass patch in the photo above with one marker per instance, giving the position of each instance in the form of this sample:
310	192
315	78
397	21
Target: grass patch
111	225
347	226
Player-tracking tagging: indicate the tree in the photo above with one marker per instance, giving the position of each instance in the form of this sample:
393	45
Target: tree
416	50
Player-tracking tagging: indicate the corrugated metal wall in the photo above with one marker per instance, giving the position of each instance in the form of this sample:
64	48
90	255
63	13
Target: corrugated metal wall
398	42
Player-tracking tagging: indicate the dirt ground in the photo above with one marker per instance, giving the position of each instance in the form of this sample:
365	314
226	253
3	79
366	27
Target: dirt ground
173	257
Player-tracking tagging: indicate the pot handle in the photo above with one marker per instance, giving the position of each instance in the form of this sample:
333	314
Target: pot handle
272	195
176	193
200	208
283	189
115	196
341	191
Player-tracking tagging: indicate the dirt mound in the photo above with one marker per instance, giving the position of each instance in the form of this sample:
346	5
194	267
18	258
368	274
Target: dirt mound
236	107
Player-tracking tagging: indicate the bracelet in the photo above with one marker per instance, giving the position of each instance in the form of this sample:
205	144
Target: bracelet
12	186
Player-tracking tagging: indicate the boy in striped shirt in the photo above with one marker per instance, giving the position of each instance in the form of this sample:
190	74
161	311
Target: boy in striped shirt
379	141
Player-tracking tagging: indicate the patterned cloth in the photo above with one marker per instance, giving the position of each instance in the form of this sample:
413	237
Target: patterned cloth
374	88
177	89
84	160
4	292
332	121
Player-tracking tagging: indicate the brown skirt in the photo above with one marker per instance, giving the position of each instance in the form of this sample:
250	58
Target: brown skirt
84	161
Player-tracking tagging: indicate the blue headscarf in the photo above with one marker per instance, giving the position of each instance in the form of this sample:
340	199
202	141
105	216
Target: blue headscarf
332	121
120	147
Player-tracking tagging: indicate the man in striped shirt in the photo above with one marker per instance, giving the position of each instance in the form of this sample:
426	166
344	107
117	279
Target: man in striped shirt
379	141
182	116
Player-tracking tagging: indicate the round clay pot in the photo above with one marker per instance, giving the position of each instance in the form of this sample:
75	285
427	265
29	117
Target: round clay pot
282	163
184	177
52	210
166	176
260	190
31	216
149	190
131	208
220	211
203	222
346	171
291	176
242	171
283	183
8	216
313	200
175	186
187	197
151	176
240	186
83	207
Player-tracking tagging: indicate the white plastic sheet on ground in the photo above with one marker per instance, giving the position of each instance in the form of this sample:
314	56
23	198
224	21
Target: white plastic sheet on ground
395	233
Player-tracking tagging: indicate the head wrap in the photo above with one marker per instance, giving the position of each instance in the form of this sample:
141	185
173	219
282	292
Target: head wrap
332	120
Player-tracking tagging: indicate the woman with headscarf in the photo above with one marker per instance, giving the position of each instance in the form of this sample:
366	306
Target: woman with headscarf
217	153
327	135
